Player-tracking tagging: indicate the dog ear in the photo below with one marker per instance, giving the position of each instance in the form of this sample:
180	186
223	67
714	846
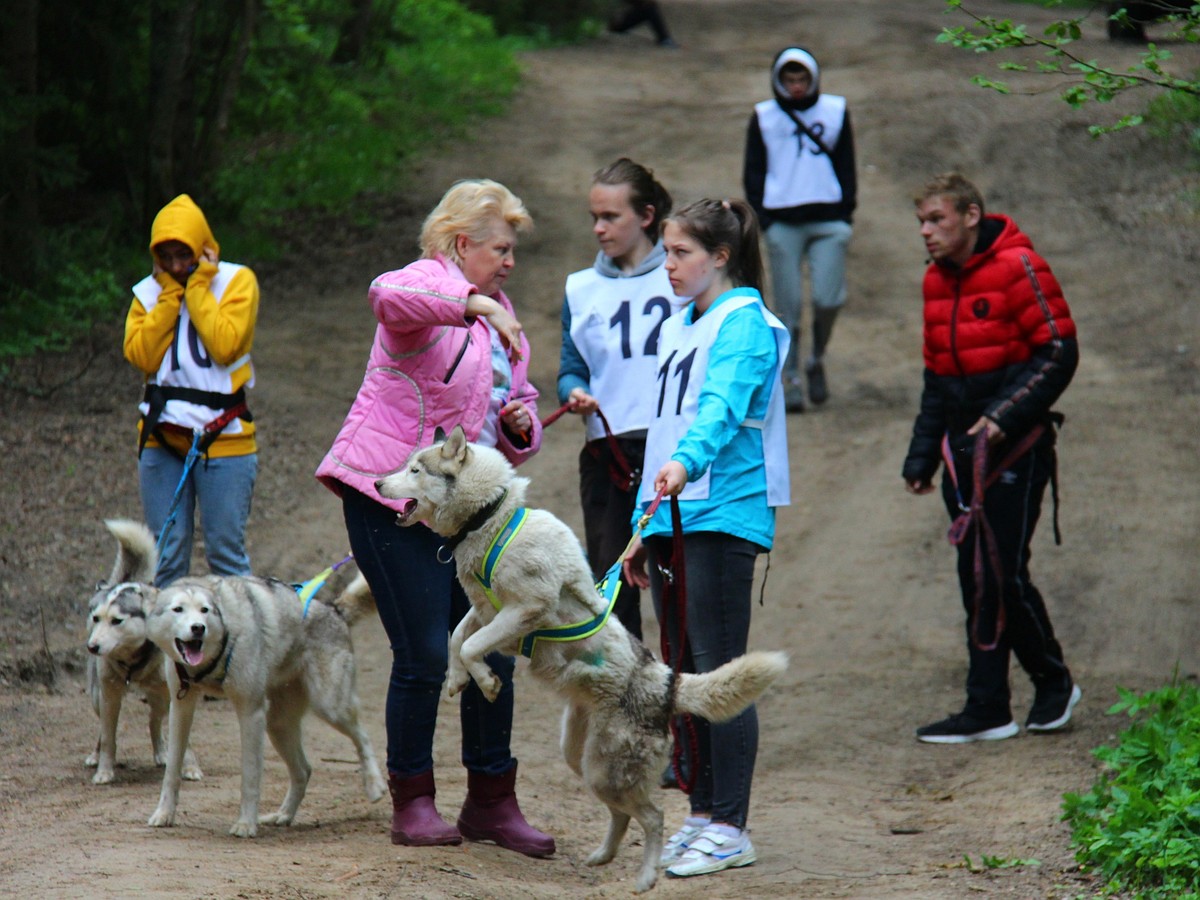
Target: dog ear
439	435
456	445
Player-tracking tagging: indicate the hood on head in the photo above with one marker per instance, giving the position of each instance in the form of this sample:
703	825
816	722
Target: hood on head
804	58
182	220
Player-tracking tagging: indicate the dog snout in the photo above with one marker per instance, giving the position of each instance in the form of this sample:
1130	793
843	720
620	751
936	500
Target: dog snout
94	649
197	630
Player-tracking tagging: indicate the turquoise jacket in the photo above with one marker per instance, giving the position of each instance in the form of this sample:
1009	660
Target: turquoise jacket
741	374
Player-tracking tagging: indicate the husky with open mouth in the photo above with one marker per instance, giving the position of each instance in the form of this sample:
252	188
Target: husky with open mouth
531	590
273	656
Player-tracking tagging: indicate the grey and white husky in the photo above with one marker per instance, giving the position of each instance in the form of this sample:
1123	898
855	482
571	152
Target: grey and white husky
253	641
619	697
121	656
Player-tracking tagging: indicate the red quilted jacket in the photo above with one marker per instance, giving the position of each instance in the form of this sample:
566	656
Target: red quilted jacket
999	341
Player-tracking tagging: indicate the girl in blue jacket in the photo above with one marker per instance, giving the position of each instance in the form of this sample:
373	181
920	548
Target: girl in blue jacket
718	442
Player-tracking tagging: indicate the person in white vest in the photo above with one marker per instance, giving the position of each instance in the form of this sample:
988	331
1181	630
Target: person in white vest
718	441
611	317
189	330
799	175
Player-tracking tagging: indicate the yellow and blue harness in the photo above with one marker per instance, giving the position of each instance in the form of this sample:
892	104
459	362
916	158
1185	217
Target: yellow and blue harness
608	587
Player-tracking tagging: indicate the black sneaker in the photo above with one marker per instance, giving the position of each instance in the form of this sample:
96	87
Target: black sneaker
963	728
1052	709
818	390
793	395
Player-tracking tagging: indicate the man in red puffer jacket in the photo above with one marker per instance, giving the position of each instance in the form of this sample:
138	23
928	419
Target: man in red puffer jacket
999	349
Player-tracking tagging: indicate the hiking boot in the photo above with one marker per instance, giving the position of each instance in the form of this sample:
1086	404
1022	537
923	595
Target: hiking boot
1052	709
713	851
793	395
818	390
963	728
677	843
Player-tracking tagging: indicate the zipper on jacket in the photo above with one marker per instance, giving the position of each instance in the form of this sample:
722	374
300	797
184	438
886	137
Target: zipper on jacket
458	359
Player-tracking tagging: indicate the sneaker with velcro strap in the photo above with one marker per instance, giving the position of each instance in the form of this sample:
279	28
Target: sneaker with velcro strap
713	851
677	843
964	728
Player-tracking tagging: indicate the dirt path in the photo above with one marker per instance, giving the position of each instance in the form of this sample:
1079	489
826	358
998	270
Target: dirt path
861	589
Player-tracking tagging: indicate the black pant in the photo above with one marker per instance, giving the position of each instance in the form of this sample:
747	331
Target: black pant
634	13
1012	506
607	514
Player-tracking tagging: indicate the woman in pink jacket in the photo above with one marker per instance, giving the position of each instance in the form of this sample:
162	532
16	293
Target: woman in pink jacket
447	351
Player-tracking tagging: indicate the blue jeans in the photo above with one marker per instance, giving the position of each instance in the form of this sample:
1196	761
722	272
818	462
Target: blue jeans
823	245
420	602
719	573
222	486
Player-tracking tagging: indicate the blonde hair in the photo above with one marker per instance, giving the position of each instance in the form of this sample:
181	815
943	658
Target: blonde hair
471	207
955	187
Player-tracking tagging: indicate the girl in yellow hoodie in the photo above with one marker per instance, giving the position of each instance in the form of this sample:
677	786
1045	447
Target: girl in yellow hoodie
189	330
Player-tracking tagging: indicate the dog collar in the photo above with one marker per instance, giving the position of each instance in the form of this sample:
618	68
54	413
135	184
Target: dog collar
474	523
139	661
186	680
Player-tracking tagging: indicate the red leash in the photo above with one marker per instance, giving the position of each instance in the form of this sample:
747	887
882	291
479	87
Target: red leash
972	518
621	472
674	611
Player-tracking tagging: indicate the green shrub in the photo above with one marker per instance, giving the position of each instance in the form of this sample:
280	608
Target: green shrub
1139	825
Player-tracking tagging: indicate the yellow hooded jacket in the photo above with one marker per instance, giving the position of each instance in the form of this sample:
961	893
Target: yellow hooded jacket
221	305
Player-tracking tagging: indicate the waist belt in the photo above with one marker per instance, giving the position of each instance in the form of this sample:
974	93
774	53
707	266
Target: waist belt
156	396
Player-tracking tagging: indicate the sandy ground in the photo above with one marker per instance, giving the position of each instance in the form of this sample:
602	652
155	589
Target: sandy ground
861	590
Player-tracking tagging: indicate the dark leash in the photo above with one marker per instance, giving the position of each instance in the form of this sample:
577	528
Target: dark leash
621	472
674	620
972	518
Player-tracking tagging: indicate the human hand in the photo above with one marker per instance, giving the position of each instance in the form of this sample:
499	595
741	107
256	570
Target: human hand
582	402
210	255
918	485
633	566
671	478
994	433
508	328
516	417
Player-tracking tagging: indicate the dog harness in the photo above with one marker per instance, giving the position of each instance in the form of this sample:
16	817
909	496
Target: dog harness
608	588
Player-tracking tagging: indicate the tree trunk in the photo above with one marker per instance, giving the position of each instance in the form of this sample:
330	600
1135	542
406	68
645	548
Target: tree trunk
216	125
172	30
353	37
20	234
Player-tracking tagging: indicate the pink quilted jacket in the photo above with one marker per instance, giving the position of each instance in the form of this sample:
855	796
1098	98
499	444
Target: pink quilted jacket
429	367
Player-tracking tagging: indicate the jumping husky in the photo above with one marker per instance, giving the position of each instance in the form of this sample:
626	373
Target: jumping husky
531	590
120	655
253	641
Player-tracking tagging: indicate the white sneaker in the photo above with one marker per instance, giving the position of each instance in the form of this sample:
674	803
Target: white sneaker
678	842
713	851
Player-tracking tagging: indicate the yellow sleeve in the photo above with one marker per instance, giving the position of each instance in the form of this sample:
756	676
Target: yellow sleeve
148	335
225	328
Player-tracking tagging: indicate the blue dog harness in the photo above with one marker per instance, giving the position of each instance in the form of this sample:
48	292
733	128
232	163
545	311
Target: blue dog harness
608	588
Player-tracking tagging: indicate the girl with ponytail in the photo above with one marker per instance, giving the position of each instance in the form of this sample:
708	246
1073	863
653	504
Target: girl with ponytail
717	442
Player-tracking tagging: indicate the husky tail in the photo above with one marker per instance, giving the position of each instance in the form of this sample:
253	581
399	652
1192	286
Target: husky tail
137	553
723	693
355	601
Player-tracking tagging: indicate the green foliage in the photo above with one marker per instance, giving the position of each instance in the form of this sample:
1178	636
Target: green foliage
1088	80
1139	825
987	862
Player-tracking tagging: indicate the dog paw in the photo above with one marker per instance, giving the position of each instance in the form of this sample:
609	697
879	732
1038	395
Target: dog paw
192	773
602	856
162	818
278	818
92	760
244	829
490	687
645	882
456	684
376	790
103	776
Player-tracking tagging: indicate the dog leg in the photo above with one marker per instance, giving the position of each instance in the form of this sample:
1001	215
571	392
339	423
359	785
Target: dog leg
160	702
179	727
252	717
574	734
458	677
618	824
109	709
650	817
504	631
283	727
